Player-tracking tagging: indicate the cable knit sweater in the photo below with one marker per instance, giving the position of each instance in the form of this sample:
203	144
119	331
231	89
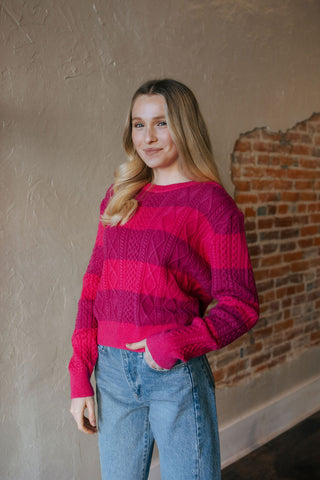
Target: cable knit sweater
155	276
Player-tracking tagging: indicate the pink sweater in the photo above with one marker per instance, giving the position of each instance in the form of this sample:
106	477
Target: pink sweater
155	276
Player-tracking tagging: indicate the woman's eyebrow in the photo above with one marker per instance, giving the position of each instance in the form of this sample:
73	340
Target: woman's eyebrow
153	118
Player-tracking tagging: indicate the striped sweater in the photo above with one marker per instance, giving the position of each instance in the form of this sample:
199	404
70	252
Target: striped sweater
155	276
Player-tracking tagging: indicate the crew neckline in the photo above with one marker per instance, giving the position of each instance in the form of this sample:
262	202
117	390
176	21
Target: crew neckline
153	187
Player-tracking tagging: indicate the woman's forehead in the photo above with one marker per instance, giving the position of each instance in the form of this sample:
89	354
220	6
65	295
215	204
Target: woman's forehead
149	106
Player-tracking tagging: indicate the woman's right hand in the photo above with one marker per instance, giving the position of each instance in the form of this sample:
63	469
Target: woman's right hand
78	406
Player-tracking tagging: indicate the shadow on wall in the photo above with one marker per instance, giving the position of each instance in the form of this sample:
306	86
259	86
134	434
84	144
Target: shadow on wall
277	180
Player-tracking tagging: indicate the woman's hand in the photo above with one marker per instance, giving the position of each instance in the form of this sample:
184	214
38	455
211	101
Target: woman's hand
78	406
147	354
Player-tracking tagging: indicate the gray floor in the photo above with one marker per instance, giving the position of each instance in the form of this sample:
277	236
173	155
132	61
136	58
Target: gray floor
294	455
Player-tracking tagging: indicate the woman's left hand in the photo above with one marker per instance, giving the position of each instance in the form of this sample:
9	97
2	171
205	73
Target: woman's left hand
147	354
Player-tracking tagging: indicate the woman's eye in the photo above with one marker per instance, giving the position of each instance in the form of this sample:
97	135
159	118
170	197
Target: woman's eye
138	125
162	124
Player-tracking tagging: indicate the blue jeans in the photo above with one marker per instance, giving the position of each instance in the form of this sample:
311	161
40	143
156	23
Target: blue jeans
137	405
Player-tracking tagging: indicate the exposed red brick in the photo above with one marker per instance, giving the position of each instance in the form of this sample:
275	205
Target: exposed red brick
289	257
297	137
265	197
293	333
248	198
286	302
303	184
302	208
310	230
242	186
314	207
277	181
251	349
307	163
263	333
272	260
281	292
266	285
219	374
264	184
282	349
236	367
276	173
315	218
289	196
242	146
263	146
284	221
249	212
283	208
300	266
298	173
315	118
315	336
307	196
288	246
312	327
265	223
260	359
267	297
269	248
254	250
279	271
261	274
264	160
302	126
287	324
301	150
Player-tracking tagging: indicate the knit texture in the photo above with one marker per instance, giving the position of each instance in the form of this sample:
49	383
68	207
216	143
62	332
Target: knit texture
155	276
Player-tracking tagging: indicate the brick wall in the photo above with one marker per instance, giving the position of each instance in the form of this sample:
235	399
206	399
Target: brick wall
277	186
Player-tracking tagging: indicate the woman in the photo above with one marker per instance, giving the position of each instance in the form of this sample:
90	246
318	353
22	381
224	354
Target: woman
170	240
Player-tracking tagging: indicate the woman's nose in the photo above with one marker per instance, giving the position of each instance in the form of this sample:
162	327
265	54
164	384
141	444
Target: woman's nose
150	135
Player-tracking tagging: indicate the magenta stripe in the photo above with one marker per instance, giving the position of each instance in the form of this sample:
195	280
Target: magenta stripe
159	241
208	197
152	310
90	286
99	239
85	317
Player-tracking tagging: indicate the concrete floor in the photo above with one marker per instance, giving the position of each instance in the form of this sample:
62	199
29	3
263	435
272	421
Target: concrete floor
294	455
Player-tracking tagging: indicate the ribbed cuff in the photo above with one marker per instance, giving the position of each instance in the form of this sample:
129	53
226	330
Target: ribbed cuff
80	385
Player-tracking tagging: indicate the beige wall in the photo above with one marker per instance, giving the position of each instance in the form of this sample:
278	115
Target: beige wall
68	69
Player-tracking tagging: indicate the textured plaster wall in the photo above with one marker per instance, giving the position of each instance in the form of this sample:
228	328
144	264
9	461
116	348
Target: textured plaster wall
67	72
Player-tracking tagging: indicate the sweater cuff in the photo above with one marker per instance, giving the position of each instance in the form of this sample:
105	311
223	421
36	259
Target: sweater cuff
80	385
161	352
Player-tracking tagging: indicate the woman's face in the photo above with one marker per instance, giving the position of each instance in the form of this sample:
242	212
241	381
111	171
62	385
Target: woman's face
151	136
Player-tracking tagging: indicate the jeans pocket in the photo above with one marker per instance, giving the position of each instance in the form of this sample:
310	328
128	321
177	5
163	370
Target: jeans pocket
157	370
176	366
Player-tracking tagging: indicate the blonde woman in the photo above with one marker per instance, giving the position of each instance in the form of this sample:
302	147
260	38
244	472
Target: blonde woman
170	240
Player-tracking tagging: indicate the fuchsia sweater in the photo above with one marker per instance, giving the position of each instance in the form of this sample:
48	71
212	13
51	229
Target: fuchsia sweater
155	276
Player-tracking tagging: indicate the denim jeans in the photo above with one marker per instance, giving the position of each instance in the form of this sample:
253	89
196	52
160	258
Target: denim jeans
137	405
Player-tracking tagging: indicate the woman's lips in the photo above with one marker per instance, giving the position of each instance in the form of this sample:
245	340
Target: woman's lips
151	151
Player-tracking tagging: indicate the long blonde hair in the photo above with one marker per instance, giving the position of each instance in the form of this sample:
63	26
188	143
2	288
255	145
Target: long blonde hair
189	133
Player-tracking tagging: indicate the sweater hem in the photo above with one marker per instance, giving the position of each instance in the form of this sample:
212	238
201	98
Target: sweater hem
118	334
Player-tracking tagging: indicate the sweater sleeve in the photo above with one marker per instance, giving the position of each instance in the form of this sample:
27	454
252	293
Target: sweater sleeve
232	286
84	338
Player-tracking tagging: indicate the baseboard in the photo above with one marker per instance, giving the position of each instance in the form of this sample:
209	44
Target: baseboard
249	432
